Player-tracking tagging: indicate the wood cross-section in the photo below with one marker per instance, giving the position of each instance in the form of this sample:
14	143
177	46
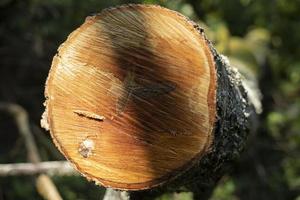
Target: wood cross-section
131	96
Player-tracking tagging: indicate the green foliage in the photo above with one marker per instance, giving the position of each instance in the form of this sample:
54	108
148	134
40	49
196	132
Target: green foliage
176	196
225	190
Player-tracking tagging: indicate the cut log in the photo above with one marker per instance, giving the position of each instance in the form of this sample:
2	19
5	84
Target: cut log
137	97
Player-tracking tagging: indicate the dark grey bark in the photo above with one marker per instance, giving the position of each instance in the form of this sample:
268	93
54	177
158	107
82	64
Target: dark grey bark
235	120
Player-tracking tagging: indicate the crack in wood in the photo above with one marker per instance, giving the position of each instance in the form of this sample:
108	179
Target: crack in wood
89	115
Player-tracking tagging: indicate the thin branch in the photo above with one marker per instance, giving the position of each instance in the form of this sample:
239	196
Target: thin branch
49	192
43	183
60	168
21	119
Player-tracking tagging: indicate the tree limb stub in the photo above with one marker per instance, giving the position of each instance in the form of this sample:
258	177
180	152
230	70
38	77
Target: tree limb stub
165	106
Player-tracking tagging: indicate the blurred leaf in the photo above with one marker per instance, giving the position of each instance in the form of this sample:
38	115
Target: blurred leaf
225	191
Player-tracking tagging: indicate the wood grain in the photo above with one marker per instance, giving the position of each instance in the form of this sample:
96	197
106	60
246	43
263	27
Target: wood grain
147	77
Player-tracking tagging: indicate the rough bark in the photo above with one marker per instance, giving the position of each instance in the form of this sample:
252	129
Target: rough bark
236	119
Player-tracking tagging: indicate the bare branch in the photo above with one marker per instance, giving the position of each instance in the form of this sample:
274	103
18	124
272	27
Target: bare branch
59	168
21	119
49	192
43	182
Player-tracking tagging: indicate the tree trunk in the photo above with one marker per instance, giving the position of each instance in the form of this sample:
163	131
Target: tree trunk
138	99
236	119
